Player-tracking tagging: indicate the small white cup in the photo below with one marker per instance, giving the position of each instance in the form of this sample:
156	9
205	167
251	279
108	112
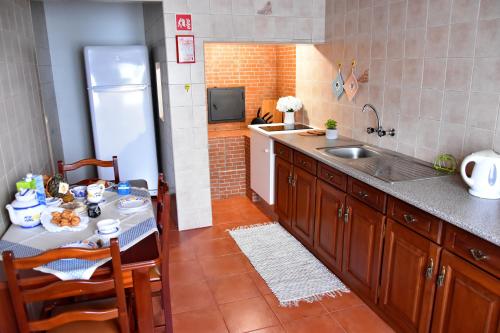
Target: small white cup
108	226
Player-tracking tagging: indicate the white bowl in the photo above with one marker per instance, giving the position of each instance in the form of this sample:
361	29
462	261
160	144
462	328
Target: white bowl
108	226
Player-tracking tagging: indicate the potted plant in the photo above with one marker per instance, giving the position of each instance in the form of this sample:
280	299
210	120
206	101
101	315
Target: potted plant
289	105
331	129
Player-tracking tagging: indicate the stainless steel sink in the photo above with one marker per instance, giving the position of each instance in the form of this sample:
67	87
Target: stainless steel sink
381	163
351	153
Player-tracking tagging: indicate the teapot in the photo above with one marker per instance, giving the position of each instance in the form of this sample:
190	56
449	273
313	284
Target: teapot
25	211
485	179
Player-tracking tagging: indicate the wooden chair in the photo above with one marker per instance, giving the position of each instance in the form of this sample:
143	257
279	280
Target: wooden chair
63	168
159	276
101	318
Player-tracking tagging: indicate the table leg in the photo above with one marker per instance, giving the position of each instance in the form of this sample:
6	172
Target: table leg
143	303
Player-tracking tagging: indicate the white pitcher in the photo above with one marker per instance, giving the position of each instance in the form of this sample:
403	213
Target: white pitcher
485	179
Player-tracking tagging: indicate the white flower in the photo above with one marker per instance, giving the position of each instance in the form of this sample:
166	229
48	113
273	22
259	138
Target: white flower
289	104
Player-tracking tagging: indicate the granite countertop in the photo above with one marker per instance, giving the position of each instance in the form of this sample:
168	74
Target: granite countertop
445	197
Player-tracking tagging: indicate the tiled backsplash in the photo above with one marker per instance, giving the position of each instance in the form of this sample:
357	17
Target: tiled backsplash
434	73
23	140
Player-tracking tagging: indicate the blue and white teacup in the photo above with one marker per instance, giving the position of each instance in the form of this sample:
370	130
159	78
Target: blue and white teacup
79	192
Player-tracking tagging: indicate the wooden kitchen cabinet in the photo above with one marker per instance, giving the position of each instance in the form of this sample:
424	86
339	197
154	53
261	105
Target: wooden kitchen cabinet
283	201
329	225
303	204
409	270
467	299
362	247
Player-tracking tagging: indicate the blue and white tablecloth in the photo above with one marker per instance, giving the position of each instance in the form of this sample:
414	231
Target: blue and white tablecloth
29	242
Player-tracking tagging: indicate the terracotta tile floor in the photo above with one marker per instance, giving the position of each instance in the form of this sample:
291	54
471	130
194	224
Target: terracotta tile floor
216	289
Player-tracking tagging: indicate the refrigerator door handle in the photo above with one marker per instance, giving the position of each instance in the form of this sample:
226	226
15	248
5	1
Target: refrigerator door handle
119	89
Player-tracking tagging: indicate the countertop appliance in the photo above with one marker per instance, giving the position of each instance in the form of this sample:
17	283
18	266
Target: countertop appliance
262	156
121	109
485	179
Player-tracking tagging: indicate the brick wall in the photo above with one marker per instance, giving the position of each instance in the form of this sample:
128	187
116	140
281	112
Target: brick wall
227	166
286	64
260	68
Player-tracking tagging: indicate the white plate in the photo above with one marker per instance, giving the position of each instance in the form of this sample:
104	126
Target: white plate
132	204
85	244
46	219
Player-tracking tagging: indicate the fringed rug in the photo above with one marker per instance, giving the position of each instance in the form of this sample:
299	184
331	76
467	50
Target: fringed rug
289	269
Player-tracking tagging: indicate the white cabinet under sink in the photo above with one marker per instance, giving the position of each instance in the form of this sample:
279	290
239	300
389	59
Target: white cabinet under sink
262	166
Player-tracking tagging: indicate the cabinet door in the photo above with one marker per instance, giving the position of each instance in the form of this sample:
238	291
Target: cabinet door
283	202
409	273
329	224
304	195
362	248
468	300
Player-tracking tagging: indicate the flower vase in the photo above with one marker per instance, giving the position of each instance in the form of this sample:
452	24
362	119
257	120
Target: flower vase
289	118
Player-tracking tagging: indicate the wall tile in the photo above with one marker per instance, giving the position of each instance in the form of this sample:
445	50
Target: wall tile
436	41
431	104
414	43
220	6
395	45
379	45
483	110
244	26
242	7
462	40
365	20
303	28
178	73
477	139
458	73
439	12
198	6
302	8
416	13
410	100
394	73
489	9
380	19
428	133
464	10
434	73
488	38
451	138
412	70
486	75
397	16
265	26
455	107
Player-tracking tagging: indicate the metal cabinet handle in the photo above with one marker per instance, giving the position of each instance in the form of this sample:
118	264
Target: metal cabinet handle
330	177
429	270
294	181
409	218
441	276
478	255
341	208
346	215
303	163
290	178
281	151
363	194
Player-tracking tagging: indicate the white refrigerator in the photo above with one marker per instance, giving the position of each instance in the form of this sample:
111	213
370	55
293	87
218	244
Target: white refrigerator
121	109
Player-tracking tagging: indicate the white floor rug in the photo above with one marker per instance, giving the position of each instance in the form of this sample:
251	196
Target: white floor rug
289	269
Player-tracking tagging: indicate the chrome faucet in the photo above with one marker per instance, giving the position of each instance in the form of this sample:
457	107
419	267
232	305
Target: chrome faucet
380	131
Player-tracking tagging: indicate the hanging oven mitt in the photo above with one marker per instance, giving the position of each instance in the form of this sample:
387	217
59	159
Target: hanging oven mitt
338	85
351	85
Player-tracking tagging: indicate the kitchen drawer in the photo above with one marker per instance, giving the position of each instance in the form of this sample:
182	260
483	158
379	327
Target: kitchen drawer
474	249
307	163
332	176
367	194
423	223
283	151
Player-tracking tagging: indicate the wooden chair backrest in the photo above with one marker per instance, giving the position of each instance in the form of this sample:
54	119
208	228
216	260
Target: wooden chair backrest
20	297
63	168
163	222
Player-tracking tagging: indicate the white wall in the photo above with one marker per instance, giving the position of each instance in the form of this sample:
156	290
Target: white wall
70	27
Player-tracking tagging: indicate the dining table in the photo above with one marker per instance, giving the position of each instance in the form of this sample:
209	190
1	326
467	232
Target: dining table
139	246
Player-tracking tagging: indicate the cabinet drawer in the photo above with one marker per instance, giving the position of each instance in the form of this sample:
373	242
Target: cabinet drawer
367	194
423	223
283	151
474	249
332	176
305	162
